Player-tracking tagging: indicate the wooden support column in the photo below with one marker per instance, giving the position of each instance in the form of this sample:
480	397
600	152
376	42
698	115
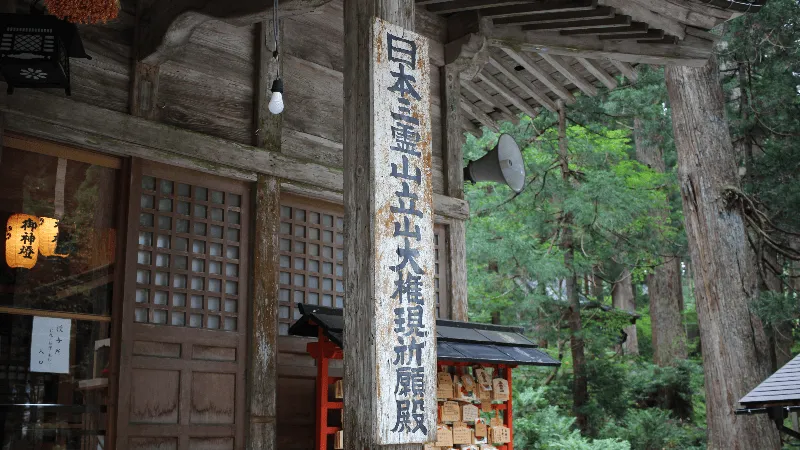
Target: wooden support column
365	341
466	55
144	83
457	229
263	361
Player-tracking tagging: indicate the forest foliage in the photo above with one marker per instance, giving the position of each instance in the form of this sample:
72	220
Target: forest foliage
516	267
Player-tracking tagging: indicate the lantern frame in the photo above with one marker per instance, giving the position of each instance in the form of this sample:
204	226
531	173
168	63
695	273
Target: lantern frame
35	50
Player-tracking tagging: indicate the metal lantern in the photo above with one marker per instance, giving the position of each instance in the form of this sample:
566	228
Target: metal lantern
22	241
35	51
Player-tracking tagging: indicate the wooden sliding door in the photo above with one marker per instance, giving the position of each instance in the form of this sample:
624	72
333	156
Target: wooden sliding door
182	380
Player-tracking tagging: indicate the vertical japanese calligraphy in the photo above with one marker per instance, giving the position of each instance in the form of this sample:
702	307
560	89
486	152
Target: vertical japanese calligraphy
50	345
22	243
404	249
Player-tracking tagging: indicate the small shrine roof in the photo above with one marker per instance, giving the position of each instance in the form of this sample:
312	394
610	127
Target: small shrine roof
455	341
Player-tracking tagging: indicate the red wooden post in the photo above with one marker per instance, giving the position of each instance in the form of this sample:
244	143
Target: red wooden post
322	393
510	410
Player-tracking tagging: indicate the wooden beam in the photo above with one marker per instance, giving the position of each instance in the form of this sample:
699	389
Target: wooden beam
479	115
61	119
263	357
570	73
539	7
640	13
650	34
568	16
144	87
457	254
586	24
470	5
168	25
487	98
526	62
451	130
470	127
599	73
688	12
586	47
509	73
515	100
267	127
626	70
262	362
635	27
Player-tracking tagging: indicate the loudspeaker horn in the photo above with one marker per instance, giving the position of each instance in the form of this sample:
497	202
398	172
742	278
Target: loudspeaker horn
503	164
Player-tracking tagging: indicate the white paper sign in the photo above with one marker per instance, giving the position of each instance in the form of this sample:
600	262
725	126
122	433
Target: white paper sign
404	249
50	345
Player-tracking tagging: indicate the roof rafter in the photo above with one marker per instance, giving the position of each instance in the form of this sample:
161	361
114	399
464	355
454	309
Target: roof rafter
529	65
479	115
588	47
523	84
487	98
599	73
515	100
566	69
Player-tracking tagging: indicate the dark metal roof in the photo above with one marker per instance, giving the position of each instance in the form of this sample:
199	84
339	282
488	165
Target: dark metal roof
455	341
781	389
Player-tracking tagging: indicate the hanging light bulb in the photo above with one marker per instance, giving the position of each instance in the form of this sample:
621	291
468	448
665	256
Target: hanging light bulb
276	102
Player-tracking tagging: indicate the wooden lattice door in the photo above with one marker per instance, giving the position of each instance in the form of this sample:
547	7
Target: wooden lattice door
182	377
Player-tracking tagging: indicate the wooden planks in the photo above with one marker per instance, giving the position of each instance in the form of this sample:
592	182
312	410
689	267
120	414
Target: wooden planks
526	62
509	73
599	73
513	98
61	119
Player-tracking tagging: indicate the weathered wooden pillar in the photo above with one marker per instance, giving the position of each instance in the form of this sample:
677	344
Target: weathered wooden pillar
371	317
263	361
465	54
144	82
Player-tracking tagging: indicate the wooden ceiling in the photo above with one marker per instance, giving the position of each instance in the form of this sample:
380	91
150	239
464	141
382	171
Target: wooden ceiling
542	51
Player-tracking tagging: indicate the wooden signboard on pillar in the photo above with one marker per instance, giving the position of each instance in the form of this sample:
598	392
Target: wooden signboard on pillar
405	346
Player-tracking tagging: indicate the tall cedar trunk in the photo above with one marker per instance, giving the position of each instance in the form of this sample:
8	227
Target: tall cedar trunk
735	347
597	285
664	284
781	334
622	297
579	387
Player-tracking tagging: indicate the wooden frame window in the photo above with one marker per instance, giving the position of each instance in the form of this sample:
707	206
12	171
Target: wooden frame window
74	280
311	262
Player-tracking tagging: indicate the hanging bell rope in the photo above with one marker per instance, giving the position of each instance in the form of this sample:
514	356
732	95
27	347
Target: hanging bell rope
84	11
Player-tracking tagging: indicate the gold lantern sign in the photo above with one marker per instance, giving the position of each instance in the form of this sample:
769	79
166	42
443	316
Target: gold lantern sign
22	242
28	236
48	237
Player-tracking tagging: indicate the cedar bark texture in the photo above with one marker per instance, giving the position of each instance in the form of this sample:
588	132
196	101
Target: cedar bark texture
735	347
664	284
622	298
580	393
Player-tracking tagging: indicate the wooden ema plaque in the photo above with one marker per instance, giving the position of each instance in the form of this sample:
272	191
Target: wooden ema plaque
469	413
468	382
451	412
500	389
444	436
462	434
481	430
482	377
